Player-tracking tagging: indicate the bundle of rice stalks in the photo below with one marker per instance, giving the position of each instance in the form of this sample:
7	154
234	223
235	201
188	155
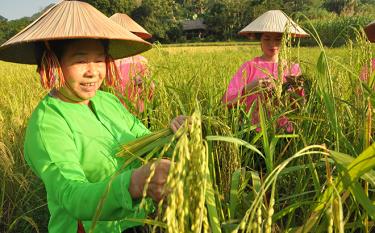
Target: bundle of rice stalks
142	149
146	144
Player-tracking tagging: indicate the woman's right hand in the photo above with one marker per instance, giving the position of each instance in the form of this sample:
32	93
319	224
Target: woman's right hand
155	189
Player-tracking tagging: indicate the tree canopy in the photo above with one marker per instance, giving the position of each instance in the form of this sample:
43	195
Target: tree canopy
224	18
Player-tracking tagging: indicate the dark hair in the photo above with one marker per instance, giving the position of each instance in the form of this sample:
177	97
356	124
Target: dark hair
254	36
258	35
59	46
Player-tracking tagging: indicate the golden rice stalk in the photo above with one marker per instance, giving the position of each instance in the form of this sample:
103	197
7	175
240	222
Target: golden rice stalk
188	180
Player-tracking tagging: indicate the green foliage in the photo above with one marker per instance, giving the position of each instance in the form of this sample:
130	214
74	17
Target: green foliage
3	19
335	31
158	17
225	18
338	6
10	28
192	9
110	7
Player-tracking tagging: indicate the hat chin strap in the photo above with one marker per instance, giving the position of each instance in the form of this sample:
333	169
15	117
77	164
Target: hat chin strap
50	71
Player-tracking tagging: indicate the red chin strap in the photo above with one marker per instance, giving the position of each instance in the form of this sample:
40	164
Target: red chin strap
112	74
50	71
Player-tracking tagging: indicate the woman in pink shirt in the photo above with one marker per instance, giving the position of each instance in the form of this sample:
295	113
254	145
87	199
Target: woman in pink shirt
261	73
133	70
370	33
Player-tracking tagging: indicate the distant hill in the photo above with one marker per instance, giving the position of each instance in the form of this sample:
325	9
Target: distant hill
36	15
3	18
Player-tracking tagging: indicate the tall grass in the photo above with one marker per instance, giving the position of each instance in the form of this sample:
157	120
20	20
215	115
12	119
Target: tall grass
23	199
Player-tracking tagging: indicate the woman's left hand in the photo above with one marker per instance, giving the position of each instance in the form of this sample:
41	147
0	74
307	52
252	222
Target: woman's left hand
138	81
177	122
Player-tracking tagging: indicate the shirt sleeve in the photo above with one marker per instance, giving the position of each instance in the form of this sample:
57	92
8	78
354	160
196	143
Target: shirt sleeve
51	152
138	129
236	84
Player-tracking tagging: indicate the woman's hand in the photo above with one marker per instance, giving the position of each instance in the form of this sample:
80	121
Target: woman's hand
138	80
155	189
257	85
177	122
265	83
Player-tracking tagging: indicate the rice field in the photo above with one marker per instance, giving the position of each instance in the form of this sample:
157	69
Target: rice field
228	176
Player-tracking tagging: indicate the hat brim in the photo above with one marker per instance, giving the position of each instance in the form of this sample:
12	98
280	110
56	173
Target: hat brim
273	21
142	35
253	33
71	20
129	24
29	52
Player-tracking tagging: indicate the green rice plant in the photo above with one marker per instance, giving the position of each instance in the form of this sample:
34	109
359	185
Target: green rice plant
246	224
351	171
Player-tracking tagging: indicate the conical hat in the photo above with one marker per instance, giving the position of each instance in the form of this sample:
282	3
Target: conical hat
128	23
71	20
273	21
370	31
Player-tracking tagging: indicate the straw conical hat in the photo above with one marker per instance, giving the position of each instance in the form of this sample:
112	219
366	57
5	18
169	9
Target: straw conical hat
370	31
128	23
273	21
71	20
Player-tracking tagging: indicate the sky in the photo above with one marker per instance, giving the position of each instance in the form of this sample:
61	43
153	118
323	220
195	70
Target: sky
15	9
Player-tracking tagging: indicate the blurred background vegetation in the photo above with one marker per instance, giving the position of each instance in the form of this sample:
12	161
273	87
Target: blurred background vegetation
222	19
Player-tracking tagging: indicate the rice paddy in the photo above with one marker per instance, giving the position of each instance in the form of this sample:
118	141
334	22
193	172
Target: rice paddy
227	175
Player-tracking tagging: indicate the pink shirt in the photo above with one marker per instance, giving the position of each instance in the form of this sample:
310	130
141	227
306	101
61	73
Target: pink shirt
257	69
132	68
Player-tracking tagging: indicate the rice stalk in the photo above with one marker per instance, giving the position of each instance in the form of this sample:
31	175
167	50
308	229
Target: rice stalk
188	180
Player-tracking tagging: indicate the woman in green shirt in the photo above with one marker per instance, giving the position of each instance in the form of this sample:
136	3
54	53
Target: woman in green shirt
75	131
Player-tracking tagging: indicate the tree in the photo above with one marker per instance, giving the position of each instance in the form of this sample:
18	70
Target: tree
158	17
346	7
110	7
3	19
10	28
192	9
36	15
225	18
293	6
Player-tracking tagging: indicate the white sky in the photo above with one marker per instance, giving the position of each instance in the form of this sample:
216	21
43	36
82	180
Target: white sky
15	9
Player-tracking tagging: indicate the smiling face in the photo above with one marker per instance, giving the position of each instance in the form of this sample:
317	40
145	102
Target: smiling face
84	68
270	43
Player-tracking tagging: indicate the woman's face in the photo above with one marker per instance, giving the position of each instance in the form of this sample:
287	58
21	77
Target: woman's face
270	43
84	68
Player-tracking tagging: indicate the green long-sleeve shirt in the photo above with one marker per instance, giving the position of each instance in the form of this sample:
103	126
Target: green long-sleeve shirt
72	149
